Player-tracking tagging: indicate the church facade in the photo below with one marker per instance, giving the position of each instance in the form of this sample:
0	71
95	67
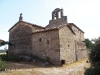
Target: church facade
61	41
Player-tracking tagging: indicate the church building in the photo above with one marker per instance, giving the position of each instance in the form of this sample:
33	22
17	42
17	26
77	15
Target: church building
61	41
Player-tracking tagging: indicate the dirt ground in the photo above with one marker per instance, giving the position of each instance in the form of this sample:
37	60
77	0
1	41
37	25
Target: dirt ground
36	68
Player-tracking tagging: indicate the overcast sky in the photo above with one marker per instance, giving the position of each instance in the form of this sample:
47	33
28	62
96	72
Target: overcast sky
84	13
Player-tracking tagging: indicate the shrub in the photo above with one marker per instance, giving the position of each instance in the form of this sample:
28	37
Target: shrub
94	58
5	57
3	65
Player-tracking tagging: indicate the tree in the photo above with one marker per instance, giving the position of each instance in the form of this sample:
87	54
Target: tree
6	42
94	58
88	43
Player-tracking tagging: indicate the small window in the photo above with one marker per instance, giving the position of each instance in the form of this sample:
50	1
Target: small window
47	41
40	39
68	45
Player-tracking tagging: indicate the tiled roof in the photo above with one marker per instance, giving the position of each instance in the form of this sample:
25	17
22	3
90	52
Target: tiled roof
47	29
54	28
26	23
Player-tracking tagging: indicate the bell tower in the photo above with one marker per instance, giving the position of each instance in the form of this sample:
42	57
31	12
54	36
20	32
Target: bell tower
57	13
57	18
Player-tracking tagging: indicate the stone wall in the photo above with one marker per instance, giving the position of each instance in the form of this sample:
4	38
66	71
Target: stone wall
67	45
46	44
57	22
79	45
81	54
79	33
20	36
59	40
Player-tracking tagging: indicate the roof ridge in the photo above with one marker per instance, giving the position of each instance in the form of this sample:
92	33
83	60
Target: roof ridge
46	29
27	23
76	26
33	24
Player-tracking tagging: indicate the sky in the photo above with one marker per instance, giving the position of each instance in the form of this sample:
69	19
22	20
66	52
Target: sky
83	13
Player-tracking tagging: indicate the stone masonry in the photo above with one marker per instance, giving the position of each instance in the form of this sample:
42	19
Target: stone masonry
59	40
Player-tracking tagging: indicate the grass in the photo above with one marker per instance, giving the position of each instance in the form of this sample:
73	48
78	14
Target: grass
34	69
40	70
3	65
75	63
22	73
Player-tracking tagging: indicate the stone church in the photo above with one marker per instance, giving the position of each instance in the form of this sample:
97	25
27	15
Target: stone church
61	41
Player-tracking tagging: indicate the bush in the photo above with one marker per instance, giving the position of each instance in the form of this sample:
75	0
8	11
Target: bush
94	58
3	65
5	57
92	71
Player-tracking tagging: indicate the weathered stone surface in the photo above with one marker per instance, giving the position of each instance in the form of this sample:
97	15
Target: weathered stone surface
58	22
81	54
20	36
67	42
59	40
45	49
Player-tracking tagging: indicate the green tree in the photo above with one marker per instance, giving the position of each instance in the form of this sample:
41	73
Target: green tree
94	58
88	43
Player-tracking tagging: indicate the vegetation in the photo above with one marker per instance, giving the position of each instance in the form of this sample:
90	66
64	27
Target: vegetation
3	65
94	58
6	42
5	57
89	44
23	73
